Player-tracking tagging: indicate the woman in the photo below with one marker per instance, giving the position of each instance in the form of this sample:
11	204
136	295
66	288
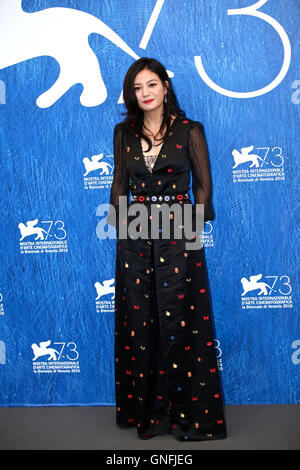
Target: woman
166	374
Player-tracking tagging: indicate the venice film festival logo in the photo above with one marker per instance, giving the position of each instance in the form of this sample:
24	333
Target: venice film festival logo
104	176
106	290
50	357
29	35
36	236
265	298
249	166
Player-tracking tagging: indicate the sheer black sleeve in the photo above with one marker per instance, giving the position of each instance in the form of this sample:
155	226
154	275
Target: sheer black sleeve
120	181
201	178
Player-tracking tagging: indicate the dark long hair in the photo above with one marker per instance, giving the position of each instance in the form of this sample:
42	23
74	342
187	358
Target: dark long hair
134	115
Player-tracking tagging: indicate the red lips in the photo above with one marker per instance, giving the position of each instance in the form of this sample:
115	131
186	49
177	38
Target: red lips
148	101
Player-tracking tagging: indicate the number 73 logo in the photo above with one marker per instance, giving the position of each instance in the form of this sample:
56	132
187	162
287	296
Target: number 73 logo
252	10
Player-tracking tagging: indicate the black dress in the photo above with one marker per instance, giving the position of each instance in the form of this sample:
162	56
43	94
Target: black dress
166	374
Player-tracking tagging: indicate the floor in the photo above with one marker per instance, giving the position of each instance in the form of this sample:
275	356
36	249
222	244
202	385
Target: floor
251	427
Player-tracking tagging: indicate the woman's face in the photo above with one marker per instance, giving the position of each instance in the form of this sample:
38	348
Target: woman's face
149	90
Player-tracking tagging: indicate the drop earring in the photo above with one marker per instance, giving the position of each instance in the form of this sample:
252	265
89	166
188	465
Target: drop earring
165	98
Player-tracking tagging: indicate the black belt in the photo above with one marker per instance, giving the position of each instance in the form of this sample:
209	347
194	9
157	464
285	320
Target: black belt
160	197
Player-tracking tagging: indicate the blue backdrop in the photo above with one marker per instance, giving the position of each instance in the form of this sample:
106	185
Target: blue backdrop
62	64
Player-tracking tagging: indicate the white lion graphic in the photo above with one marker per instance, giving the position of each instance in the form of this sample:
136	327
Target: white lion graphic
61	33
254	285
30	229
245	156
42	350
105	288
95	164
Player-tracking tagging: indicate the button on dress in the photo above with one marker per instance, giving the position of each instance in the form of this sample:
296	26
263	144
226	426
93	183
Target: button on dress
166	373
